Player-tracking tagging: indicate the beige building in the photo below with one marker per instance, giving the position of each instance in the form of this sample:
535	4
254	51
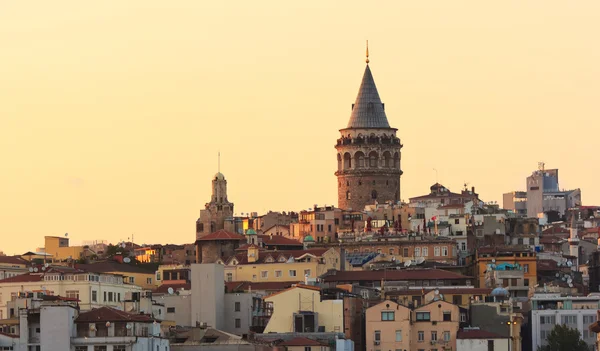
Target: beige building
257	265
11	266
390	326
300	309
132	274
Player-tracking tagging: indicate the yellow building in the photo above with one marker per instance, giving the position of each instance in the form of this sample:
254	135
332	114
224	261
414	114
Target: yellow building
521	272
258	265
388	327
60	250
132	274
304	344
458	296
147	254
300	309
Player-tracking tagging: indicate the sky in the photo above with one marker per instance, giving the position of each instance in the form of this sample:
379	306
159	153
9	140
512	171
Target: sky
112	112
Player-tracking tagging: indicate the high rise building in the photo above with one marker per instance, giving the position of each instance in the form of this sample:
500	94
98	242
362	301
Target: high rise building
368	152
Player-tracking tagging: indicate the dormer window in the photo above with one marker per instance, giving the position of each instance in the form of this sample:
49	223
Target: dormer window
282	259
269	259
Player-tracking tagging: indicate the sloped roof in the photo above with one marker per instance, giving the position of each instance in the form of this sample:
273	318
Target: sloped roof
164	288
222	235
405	274
107	314
301	341
449	291
278	240
112	266
269	286
368	110
297	286
242	258
23	278
12	260
478	334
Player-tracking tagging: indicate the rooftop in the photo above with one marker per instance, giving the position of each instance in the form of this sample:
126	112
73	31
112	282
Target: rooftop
405	274
368	110
107	314
222	235
300	341
478	334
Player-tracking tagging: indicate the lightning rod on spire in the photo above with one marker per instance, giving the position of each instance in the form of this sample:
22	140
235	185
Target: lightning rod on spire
219	162
367	52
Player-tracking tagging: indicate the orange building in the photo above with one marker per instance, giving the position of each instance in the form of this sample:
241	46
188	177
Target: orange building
522	258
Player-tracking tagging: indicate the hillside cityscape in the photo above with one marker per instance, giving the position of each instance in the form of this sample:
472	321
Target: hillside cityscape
442	271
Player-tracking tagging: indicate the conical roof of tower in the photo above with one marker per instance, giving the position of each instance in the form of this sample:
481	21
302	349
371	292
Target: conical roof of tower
368	111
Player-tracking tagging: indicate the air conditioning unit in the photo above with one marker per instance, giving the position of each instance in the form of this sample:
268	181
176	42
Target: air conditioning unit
377	342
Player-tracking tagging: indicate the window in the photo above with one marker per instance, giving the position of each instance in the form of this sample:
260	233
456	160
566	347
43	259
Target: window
398	335
463	317
425	252
238	323
417	251
72	294
444	250
568	319
377	336
387	316
391	251
170	309
405	252
148	281
421	336
543	335
436	251
463	246
131	280
457	299
446	336
348	196
374	194
547	319
526	268
119	297
307	272
588	320
253	276
94	296
238	306
447	316
157	275
526	282
490	345
118	347
105	296
457	221
433	335
278	274
292	272
229	277
82	348
264	274
100	348
423	316
307	348
110	296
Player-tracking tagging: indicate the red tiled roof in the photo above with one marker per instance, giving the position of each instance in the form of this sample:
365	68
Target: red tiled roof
107	314
112	266
470	291
269	286
555	230
550	239
164	288
242	258
405	274
12	260
222	235
547	265
278	240
494	249
300	341
478	334
23	278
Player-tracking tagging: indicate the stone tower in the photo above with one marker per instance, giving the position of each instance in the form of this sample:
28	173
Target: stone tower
368	152
213	217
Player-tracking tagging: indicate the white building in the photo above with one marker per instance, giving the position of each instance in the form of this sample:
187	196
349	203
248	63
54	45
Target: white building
475	339
92	289
11	266
548	310
57	324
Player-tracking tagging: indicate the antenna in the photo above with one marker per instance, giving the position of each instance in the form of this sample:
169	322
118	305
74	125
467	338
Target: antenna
367	52
541	166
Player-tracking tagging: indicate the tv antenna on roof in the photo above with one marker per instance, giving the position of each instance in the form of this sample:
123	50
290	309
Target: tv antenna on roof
541	166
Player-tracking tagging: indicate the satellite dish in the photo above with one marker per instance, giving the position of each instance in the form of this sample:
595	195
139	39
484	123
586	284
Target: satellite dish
564	279
66	234
31	269
569	280
126	260
107	324
557	275
570	285
493	260
170	291
128	326
44	268
569	263
47	265
437	292
35	269
420	260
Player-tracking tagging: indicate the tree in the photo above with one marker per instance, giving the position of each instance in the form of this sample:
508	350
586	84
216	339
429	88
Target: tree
563	338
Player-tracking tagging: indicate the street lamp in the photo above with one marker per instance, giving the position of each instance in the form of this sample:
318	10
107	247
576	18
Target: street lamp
510	329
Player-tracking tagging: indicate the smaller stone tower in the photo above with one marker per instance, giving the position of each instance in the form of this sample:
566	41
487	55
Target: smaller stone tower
215	212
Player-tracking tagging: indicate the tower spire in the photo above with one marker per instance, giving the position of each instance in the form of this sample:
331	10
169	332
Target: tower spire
367	52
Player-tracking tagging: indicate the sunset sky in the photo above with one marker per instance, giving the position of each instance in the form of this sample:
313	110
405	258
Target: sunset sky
112	112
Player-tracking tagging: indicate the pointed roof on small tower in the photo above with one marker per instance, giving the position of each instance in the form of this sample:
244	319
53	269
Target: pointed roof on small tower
368	110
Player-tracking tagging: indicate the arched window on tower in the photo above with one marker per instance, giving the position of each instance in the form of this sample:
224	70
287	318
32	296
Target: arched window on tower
348	197
339	159
373	158
359	159
387	159
347	161
374	194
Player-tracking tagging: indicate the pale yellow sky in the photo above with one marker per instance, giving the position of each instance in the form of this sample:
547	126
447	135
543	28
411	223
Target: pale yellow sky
112	112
